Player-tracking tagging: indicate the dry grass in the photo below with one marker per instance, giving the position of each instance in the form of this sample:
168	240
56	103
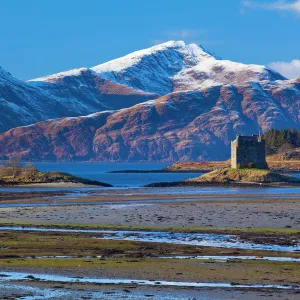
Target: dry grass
244	175
202	166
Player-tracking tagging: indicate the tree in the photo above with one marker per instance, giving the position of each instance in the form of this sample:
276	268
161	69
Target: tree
14	167
285	150
274	139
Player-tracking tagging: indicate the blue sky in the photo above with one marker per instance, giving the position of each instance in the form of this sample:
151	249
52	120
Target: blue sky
45	37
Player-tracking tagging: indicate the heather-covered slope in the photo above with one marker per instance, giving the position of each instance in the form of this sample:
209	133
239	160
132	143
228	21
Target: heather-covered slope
197	125
190	125
57	139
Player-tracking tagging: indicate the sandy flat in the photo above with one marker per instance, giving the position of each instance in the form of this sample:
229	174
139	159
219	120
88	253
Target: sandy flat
196	210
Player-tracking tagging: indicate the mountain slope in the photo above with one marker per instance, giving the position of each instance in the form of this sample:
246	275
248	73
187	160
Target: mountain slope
84	92
197	125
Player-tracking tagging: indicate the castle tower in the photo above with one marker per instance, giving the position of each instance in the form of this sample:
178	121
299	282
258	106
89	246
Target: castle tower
248	152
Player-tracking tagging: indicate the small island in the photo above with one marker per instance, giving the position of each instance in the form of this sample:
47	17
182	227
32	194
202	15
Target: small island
244	176
236	177
13	173
248	168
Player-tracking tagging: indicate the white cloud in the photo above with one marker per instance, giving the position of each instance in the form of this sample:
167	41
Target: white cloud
281	5
188	35
287	69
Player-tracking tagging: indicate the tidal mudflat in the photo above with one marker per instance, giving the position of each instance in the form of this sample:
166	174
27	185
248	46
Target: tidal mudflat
65	261
179	245
156	207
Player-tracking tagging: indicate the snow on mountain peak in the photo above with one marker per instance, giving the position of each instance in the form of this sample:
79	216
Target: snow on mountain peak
151	70
192	52
57	76
173	66
177	66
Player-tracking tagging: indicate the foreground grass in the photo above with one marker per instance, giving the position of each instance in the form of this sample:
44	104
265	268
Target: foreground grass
242	272
136	260
18	244
40	244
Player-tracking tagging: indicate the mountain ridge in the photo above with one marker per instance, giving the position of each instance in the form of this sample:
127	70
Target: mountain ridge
174	66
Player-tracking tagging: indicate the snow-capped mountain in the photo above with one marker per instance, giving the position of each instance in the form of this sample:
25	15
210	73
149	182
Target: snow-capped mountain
173	101
173	66
176	66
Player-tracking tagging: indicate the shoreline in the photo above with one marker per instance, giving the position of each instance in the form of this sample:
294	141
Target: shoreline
157	171
223	185
193	171
63	184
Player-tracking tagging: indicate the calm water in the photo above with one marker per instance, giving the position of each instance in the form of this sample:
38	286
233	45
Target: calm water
98	171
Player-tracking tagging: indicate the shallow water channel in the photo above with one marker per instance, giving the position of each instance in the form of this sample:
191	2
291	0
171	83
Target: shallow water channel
16	276
198	239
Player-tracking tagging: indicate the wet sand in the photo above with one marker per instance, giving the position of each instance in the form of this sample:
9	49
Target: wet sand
146	209
89	291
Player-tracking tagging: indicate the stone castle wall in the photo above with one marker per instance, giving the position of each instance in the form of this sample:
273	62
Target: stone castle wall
248	150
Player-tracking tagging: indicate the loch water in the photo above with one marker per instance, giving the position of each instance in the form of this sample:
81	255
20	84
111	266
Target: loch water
101	172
